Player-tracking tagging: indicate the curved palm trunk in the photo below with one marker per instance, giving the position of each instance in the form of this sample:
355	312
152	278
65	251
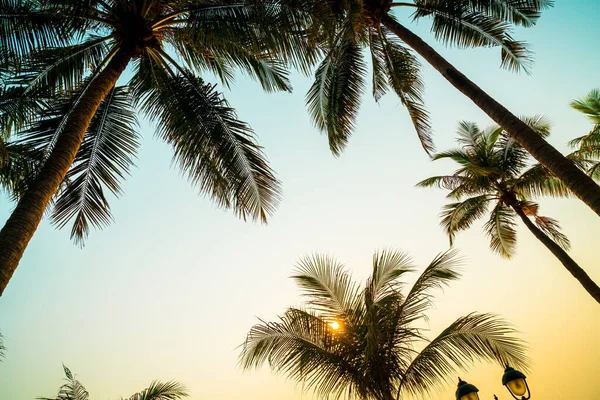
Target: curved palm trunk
579	183
570	264
24	220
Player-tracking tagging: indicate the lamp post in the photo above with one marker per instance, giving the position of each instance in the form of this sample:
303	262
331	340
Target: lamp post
514	381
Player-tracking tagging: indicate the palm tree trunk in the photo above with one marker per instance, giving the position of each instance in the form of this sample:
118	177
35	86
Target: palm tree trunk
575	179
570	264
24	220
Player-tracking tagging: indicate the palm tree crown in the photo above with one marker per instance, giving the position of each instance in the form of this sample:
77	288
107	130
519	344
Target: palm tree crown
359	342
74	390
351	25
495	173
60	47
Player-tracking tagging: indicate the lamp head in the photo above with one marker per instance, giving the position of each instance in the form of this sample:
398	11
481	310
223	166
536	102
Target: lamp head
466	391
516	383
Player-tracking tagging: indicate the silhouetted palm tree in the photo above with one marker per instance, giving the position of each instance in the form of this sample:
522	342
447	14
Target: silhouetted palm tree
495	178
348	26
74	390
69	55
588	146
366	342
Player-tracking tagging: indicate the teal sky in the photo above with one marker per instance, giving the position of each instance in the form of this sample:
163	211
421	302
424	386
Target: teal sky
171	288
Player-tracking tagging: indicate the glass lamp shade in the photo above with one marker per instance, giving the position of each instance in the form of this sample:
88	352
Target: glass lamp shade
517	387
515	383
466	391
470	396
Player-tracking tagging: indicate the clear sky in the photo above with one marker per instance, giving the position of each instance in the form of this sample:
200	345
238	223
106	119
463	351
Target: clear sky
170	290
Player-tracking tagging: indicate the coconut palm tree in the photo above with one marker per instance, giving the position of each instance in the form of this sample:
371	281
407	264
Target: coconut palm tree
74	390
361	342
69	55
347	26
588	146
495	177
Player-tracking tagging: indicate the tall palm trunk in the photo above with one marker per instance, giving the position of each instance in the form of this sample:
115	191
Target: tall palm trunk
570	264
575	179
24	220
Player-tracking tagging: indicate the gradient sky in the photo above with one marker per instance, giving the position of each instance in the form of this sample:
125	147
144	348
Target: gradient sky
170	290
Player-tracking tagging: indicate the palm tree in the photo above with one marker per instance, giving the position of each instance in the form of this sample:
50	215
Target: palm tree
360	343
588	146
69	55
74	390
494	173
346	26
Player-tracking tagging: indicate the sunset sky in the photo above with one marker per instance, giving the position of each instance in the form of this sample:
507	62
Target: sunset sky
170	289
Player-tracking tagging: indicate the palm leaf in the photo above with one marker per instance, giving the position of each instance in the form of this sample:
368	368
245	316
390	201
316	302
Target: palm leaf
334	98
61	69
440	272
500	228
402	71
212	146
537	181
456	25
103	160
162	391
460	216
72	390
25	27
549	226
327	286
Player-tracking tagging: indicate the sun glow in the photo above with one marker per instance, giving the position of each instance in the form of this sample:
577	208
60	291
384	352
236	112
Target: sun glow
334	325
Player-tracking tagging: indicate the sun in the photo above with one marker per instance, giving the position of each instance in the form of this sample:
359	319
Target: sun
334	325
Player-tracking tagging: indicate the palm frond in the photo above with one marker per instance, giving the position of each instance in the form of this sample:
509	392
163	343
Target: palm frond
388	266
455	24
519	12
537	182
212	146
468	339
500	228
18	110
327	286
549	226
162	391
460	216
589	105
2	348
439	273
61	69
103	161
334	98
402	70
26	27
72	390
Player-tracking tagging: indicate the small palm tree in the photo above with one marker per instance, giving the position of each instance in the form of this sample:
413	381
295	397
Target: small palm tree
588	146
348	26
74	390
360	342
64	57
494	173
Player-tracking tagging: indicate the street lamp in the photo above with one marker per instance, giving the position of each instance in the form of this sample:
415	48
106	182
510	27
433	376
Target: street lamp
516	383
466	391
